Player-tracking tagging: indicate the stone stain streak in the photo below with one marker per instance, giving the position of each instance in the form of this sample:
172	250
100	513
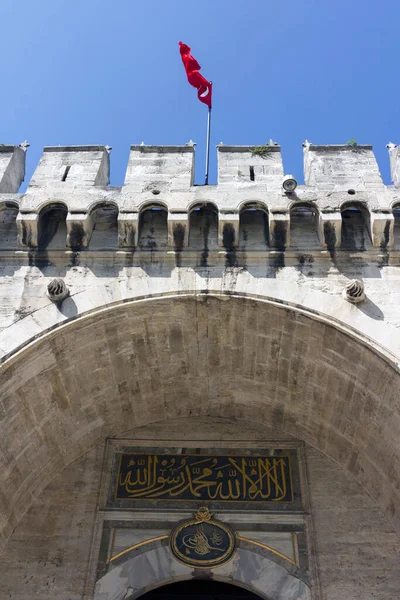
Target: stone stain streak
386	236
131	237
330	238
205	251
26	235
179	237
280	236
266	229
76	237
385	257
228	240
305	264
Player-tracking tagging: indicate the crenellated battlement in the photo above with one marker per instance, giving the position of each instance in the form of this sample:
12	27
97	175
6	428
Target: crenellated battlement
70	166
338	168
161	169
12	167
251	165
68	203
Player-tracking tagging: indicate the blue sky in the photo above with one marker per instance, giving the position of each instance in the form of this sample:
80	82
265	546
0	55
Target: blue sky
109	72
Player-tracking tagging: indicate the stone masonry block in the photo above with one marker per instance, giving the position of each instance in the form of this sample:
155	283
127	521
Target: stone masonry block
79	230
251	165
330	230
12	168
340	168
178	230
72	166
279	230
159	169
128	227
27	227
394	155
382	230
228	229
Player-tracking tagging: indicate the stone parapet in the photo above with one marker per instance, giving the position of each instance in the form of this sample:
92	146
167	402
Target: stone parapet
340	182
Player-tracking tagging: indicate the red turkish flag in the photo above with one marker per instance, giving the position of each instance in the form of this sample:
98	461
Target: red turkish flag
192	68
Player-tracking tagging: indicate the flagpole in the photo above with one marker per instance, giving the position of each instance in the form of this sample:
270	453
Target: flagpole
208	144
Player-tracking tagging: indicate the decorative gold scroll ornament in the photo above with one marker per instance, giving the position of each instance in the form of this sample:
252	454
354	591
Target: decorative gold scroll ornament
202	542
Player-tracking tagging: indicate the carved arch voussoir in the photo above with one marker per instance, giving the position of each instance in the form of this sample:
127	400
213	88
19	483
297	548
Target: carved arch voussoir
250	569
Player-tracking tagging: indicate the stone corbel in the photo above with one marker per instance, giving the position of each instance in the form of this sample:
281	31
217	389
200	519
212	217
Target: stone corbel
382	230
228	229
27	227
279	230
79	230
330	230
178	230
128	229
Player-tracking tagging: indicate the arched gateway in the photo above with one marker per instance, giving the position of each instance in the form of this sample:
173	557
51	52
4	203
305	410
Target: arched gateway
201	589
249	569
185	419
210	376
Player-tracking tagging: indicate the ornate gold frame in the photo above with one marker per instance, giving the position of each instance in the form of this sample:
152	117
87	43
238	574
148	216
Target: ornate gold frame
203	515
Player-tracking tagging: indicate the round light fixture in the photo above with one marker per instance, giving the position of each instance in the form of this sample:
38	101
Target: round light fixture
289	183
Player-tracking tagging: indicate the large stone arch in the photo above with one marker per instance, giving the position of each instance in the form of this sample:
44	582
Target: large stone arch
144	571
230	356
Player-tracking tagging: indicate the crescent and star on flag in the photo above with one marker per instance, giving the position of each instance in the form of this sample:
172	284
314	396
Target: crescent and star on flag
195	78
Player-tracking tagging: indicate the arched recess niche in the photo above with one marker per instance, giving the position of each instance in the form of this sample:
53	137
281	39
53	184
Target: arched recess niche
197	355
356	226
52	229
203	226
153	227
254	226
8	225
304	225
105	228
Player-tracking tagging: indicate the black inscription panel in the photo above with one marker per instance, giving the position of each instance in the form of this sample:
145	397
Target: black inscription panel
203	478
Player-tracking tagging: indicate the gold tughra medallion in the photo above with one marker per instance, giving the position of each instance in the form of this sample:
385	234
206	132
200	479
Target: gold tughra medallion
202	542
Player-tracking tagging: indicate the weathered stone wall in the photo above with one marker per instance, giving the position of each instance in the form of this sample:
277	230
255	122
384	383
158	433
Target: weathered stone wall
221	301
198	355
48	554
358	553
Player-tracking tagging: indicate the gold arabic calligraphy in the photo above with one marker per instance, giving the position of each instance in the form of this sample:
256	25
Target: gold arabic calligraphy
200	543
195	477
